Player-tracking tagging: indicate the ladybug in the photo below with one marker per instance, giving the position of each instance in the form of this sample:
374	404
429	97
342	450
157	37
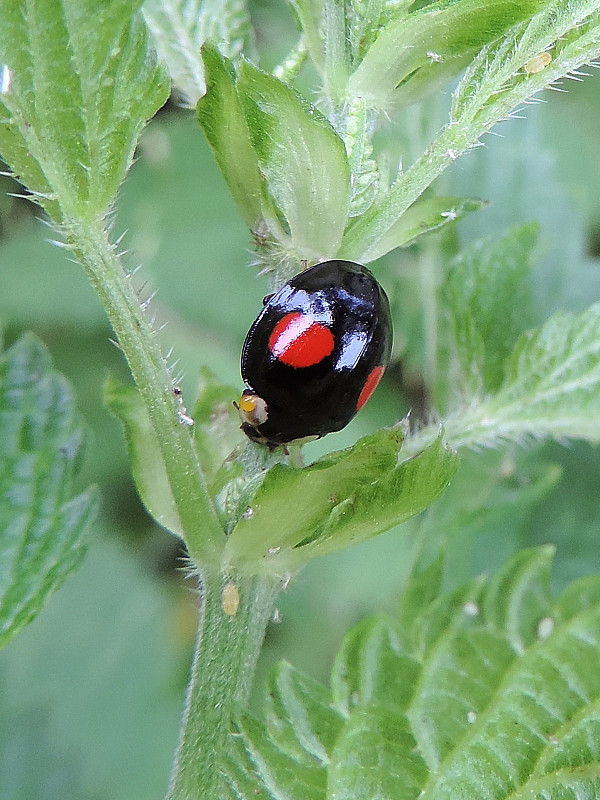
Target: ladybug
315	354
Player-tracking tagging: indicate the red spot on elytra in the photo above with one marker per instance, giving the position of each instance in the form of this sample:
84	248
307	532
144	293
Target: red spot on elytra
298	341
370	386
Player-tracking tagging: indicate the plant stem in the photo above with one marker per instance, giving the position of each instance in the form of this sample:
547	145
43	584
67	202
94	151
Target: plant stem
227	650
137	340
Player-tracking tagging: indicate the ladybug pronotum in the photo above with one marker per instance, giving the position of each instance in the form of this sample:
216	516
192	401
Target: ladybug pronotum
315	354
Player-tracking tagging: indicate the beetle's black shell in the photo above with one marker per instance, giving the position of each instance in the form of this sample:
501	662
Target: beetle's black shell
323	397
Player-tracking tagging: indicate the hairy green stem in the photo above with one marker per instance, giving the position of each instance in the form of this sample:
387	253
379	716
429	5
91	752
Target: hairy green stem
227	650
137	340
230	635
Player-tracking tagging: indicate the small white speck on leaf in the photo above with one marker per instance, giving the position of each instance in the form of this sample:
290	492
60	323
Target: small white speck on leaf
5	79
545	627
471	609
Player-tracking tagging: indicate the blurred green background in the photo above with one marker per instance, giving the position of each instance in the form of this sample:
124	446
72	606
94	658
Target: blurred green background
91	692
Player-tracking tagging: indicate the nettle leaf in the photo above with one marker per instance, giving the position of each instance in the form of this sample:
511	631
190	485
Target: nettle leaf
298	711
80	83
222	118
302	159
374	664
490	302
502	700
42	526
551	387
279	156
180	28
343	498
436	39
145	457
294	745
424	216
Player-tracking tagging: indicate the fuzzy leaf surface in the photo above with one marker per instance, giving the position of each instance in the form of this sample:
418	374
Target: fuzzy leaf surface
435	39
294	745
222	118
83	82
302	159
551	389
492	691
490	301
180	28
42	526
344	498
551	386
145	457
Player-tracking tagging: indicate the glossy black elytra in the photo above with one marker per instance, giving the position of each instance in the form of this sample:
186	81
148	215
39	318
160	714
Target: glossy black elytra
315	353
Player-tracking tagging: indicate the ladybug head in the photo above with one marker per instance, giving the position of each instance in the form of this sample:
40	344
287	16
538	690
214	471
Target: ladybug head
253	413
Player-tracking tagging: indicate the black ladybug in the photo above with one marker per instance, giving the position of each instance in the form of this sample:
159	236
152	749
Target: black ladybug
314	354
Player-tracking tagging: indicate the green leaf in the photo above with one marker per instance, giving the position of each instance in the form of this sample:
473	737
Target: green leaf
356	130
374	665
145	457
377	756
422	588
302	159
252	752
501	701
436	40
275	150
519	597
299	715
179	30
82	84
424	216
343	498
295	744
42	527
222	118
551	386
490	301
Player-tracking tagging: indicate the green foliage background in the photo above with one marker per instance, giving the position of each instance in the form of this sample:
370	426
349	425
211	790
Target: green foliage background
93	687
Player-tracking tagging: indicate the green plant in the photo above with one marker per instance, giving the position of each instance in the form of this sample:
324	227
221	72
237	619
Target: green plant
487	691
